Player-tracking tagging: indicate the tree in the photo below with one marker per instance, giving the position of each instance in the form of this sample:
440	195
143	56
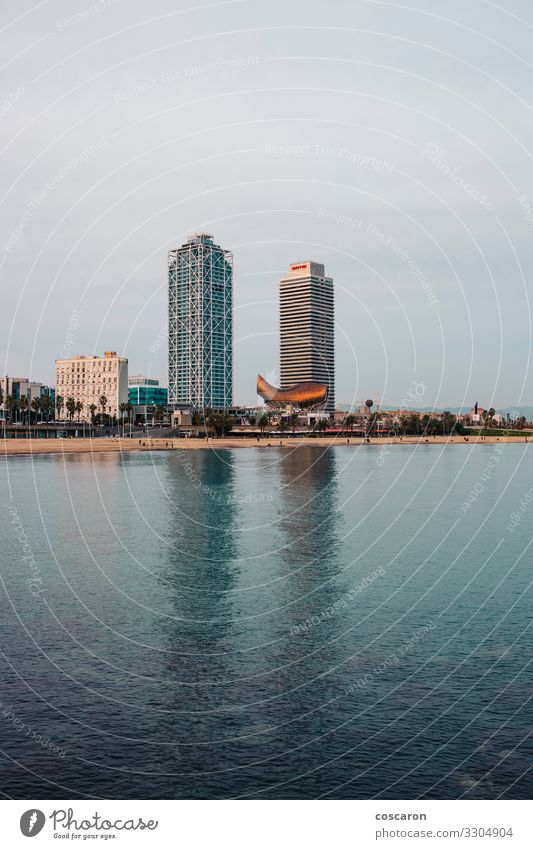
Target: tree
349	421
263	422
159	413
413	424
251	420
79	408
11	405
449	423
210	421
293	421
71	407
321	425
36	407
227	423
103	403
60	403
488	418
371	423
23	406
47	405
92	409
122	409
219	423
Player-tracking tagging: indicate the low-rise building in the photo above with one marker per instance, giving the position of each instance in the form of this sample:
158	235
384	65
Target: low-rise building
145	395
23	387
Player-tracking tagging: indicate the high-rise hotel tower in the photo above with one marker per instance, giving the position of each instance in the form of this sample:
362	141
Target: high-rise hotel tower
200	333
307	344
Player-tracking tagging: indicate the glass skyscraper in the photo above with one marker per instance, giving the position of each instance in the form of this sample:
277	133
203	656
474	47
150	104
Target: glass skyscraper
200	331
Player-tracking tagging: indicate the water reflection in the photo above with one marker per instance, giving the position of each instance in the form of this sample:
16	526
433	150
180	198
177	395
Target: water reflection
202	536
308	502
210	642
312	525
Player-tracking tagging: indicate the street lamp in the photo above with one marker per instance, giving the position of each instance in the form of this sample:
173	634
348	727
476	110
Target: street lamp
369	404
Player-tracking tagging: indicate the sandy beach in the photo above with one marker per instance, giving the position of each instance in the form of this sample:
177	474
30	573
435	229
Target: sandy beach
104	446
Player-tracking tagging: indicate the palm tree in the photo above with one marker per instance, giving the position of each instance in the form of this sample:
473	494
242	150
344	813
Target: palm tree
293	421
47	403
413	424
71	407
60	403
159	413
449	422
349	421
11	405
488	418
92	409
36	407
211	422
371	422
322	425
129	410
79	408
122	409
227	423
23	406
103	403
263	422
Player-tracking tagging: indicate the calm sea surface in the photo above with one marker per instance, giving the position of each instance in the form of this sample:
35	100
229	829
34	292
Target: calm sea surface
268	623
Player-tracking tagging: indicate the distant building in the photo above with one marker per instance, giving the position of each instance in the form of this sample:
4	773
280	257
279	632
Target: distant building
141	380
200	329
307	332
145	395
18	387
88	378
476	414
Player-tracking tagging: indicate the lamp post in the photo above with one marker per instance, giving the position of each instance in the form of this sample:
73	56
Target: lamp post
369	404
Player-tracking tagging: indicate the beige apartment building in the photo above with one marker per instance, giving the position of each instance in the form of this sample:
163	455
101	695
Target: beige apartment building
87	379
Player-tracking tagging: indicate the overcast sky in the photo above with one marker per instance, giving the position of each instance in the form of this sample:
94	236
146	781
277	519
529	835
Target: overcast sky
392	143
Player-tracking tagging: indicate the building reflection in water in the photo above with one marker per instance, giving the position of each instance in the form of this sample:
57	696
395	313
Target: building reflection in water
308	511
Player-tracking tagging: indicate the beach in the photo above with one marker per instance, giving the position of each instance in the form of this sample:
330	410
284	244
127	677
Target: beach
105	445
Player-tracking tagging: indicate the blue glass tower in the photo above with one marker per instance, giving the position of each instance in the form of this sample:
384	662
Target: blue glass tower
200	325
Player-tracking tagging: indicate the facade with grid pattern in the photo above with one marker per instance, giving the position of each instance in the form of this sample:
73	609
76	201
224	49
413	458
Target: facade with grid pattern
200	325
307	333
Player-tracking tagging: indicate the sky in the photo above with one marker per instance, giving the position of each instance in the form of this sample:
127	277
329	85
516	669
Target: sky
392	142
